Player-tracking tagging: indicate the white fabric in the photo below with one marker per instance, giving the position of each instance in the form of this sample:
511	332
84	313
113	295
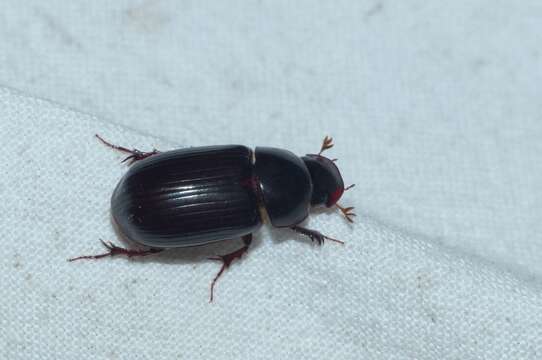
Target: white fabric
383	295
435	111
438	104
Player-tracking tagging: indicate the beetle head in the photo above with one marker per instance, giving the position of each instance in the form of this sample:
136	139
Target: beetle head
327	182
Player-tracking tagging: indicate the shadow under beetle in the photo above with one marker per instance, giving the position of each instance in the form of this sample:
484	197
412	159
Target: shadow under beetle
200	195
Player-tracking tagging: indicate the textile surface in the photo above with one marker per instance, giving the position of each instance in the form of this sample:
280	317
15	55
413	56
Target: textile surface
436	115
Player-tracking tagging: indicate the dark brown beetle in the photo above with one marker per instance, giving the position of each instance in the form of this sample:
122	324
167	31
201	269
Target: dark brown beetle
200	195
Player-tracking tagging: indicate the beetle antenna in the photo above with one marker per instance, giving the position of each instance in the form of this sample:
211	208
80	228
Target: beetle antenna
326	144
349	187
347	212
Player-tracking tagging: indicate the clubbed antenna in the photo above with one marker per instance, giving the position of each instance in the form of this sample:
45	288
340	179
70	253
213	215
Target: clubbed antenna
347	212
326	144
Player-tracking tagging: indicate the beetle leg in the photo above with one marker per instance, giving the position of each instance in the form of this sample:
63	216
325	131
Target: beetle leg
314	235
135	155
227	260
117	250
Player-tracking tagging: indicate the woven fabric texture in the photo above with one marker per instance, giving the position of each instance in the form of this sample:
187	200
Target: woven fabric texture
435	111
382	295
438	104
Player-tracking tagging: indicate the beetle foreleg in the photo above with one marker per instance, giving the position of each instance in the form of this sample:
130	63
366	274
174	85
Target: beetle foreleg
135	155
227	260
314	235
117	250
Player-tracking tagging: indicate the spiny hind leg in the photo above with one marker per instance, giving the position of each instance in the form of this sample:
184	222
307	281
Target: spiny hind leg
134	154
228	259
113	250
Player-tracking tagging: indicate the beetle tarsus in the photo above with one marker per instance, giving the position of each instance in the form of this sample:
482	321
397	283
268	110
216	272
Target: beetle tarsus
314	235
228	259
117	250
135	155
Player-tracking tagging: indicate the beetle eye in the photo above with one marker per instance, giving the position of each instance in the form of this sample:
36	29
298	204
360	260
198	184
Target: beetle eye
334	197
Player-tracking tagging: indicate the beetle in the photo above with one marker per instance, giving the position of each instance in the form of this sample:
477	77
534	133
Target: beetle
201	195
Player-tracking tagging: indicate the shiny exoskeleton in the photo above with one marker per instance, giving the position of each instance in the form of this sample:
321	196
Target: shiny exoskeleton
200	195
